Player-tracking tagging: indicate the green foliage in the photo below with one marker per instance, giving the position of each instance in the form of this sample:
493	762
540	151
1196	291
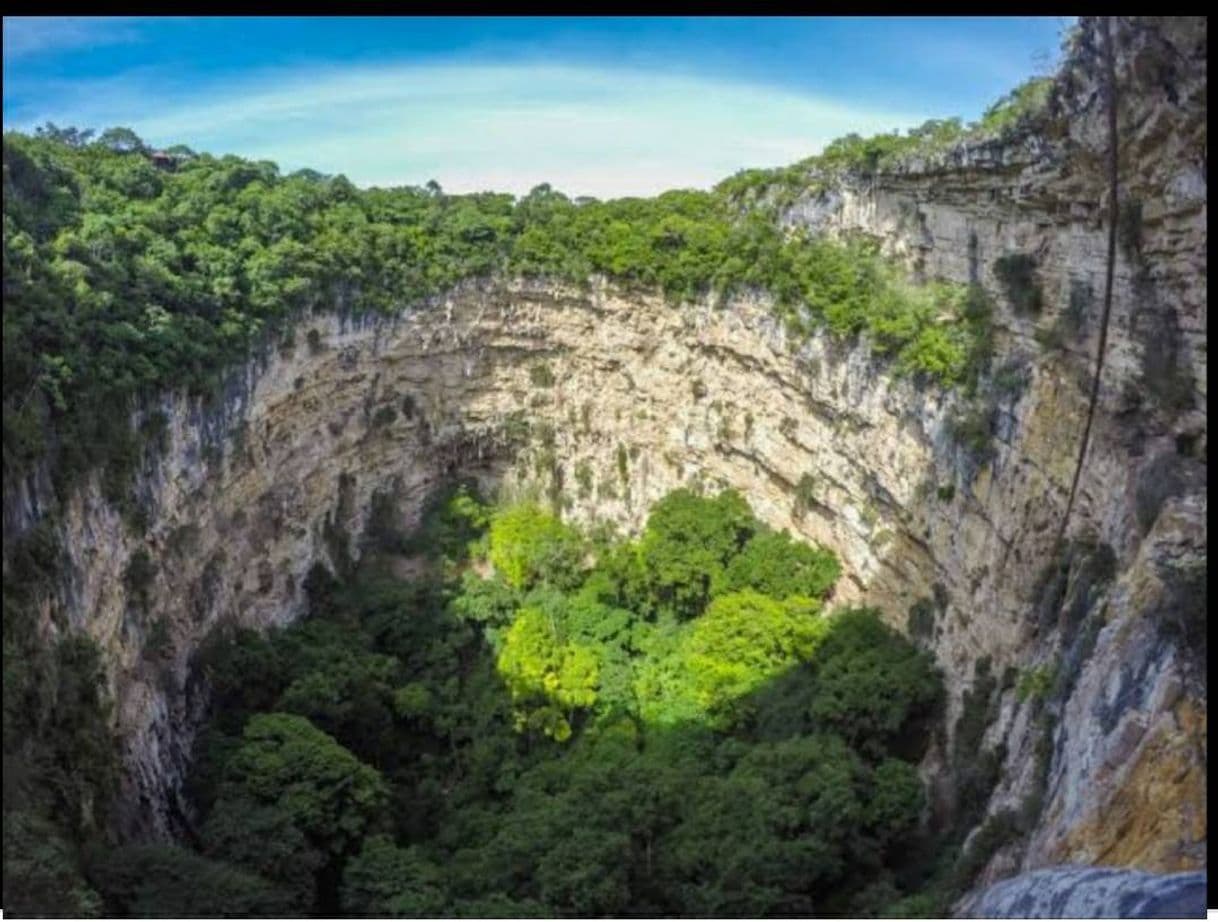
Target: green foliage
454	520
61	761
871	685
159	643
386	881
1010	380
687	543
537	666
571	750
1166	376
897	799
972	428
772	563
384	417
744	639
921	623
42	876
528	546
1129	227
623	464
286	763
805	495
139	574
1183	614
540	375
1021	104
997	831
1074	317
1035	682
122	280
975	769
350	697
583	478
166	882
775	190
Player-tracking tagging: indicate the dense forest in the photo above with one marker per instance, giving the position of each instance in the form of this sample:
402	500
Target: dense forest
541	721
550	722
553	722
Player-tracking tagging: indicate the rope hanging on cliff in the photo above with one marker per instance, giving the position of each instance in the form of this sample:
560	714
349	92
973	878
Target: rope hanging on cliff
1113	216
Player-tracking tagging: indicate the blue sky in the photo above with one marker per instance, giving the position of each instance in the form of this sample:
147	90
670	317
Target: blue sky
595	106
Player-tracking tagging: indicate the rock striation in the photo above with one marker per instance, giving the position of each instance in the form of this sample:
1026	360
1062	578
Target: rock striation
601	399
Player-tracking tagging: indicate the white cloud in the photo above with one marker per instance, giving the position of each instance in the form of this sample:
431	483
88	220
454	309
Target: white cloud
587	130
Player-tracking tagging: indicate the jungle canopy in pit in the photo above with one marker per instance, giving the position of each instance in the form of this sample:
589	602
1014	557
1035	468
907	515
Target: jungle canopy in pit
667	726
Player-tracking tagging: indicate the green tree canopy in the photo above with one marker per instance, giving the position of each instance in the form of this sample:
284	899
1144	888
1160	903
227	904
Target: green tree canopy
687	544
331	797
529	546
774	564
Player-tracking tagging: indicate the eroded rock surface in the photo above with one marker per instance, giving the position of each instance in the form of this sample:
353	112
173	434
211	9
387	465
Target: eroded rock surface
819	436
1094	893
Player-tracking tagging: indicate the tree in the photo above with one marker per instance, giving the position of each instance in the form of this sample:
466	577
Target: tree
777	566
769	837
895	802
744	640
872	685
529	546
163	881
687	543
326	793
121	141
539	669
41	873
351	698
384	880
71	136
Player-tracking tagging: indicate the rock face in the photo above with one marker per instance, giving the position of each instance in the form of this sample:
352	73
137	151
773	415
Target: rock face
600	399
1093	893
1131	730
603	399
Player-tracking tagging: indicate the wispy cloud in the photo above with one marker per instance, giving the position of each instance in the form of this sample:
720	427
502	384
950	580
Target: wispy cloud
586	129
29	35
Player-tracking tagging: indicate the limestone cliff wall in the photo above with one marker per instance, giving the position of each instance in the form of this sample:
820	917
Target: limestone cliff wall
1125	780
246	495
645	397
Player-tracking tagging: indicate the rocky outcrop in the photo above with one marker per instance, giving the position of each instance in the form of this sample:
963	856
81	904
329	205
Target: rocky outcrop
602	399
1093	893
